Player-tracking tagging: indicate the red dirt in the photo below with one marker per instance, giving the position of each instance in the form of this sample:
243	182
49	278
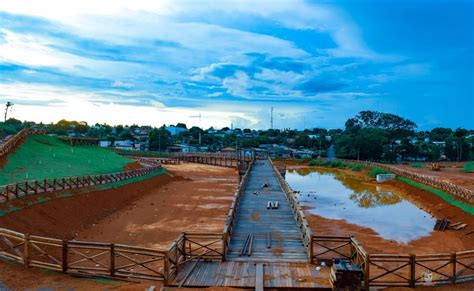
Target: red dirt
150	213
453	175
132	166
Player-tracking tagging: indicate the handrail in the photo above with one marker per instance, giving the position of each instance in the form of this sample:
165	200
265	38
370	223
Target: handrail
452	188
305	230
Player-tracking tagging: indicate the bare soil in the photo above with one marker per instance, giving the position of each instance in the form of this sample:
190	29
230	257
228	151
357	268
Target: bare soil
150	213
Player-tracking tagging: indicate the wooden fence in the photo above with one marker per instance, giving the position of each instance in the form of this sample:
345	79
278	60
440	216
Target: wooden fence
229	223
10	144
449	187
26	188
81	257
298	213
396	270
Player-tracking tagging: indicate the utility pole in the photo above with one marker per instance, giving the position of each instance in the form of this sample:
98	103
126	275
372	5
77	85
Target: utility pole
199	129
8	105
271	118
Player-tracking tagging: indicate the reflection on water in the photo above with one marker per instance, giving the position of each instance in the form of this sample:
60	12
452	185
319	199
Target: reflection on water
335	195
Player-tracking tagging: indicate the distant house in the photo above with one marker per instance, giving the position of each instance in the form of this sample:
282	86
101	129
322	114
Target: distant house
181	148
105	143
174	130
302	153
124	144
276	151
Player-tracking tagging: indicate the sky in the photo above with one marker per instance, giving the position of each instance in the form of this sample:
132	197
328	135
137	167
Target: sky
217	63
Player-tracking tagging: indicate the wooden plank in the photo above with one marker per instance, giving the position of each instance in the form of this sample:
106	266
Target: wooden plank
259	278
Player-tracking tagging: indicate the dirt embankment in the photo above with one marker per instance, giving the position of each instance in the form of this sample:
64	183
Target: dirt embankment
150	213
447	241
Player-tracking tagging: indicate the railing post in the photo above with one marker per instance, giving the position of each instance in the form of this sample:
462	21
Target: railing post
26	251
112	259
64	256
454	270
311	259
166	269
367	273
412	270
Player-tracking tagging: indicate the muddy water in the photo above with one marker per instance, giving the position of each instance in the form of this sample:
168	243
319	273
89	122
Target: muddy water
335	195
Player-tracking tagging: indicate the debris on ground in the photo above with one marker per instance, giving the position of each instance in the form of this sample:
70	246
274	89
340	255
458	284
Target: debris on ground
443	224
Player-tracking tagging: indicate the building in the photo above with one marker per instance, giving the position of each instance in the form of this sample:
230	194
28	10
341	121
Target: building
181	148
105	143
124	144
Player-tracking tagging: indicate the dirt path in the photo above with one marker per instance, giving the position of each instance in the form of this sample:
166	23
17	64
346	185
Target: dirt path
150	213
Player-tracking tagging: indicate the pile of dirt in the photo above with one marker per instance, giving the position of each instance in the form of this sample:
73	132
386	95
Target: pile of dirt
64	217
132	166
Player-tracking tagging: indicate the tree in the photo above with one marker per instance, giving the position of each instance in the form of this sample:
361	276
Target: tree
182	125
440	133
396	126
159	139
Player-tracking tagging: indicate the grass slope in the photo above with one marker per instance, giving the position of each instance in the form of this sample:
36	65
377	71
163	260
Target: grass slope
41	157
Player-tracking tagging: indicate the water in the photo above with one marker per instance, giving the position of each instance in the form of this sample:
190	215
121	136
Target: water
335	195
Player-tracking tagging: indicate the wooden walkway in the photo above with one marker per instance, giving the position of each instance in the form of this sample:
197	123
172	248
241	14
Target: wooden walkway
243	275
253	217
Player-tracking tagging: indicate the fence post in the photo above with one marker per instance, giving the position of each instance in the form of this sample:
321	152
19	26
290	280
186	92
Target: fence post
112	259
367	273
454	262
412	270
311	259
64	256
26	251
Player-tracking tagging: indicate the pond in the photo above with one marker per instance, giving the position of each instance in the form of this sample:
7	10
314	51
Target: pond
335	195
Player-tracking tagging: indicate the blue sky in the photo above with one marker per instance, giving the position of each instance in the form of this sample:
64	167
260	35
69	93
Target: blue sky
317	63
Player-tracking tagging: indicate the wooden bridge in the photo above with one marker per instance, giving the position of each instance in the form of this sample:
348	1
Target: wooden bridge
264	247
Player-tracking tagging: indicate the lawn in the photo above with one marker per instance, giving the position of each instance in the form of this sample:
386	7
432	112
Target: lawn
41	157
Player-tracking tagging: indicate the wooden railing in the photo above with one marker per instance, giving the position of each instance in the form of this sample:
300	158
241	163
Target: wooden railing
413	270
10	144
229	223
449	187
298	213
26	188
81	257
392	270
190	247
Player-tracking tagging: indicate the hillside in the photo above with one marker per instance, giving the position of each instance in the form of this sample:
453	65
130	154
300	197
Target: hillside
41	157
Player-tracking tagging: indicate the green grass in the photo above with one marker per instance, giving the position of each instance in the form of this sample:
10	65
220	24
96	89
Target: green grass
375	171
468	167
417	166
445	196
356	168
41	157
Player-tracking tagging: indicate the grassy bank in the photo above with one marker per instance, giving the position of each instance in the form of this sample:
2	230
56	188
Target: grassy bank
14	205
41	157
468	167
466	207
371	171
